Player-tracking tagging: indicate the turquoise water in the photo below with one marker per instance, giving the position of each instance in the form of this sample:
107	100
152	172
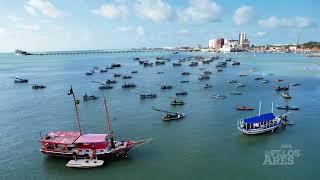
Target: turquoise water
204	145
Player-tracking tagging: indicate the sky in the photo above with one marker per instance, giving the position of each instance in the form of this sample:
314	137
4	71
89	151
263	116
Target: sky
42	25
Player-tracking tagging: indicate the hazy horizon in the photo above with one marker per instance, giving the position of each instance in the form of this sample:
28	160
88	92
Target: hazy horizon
46	25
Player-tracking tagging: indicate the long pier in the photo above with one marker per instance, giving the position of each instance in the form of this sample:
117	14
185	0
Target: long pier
88	52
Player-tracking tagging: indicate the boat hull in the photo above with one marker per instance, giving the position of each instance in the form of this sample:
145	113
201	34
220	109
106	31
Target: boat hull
259	130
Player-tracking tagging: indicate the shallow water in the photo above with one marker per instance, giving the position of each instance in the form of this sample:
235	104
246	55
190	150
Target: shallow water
204	145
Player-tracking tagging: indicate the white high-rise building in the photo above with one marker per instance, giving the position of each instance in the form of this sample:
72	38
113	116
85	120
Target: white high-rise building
243	41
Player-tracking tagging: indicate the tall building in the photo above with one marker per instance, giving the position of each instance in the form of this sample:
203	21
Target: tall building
243	41
216	43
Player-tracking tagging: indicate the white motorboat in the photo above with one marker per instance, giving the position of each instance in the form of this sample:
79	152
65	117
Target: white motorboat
84	163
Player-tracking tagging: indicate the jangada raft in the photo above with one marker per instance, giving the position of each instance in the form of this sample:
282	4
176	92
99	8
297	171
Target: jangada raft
68	144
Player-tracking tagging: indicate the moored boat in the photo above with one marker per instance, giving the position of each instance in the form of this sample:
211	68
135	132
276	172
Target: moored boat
286	95
148	96
245	108
185	73
128	85
87	98
172	116
38	86
68	144
164	87
235	63
182	93
176	102
84	163
219	96
207	86
286	107
176	64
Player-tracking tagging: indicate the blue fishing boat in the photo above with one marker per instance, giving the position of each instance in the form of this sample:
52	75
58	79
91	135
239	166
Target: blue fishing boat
259	124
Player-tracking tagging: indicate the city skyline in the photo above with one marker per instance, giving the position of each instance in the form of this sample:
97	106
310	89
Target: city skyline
63	25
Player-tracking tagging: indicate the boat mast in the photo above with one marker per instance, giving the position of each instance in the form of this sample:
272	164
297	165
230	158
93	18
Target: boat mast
108	123
272	107
76	108
259	108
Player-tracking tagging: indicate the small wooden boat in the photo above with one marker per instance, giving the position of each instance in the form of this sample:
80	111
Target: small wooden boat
240	85
164	87
182	93
193	63
279	88
116	75
89	73
185	73
177	102
286	107
235	63
219	70
286	95
204	77
184	81
161	72
245	108
172	116
232	81
279	80
207	86
160	62
109	81
84	163
258	78
235	92
265	81
176	64
148	64
228	59
102	87
87	98
115	65
136	59
134	72
128	85
219	96
37	86
148	96
103	70
243	74
126	77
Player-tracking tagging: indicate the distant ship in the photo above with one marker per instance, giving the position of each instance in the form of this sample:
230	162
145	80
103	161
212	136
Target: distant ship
20	52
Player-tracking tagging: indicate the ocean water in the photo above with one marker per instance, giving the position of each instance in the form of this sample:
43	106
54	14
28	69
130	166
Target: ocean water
204	145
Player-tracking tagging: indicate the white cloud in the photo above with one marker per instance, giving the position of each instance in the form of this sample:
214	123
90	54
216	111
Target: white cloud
296	22
155	10
124	28
261	34
30	10
112	11
14	18
140	31
243	15
200	11
183	32
45	7
27	27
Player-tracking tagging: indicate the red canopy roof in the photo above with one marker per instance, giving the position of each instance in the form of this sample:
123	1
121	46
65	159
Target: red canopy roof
91	138
61	137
